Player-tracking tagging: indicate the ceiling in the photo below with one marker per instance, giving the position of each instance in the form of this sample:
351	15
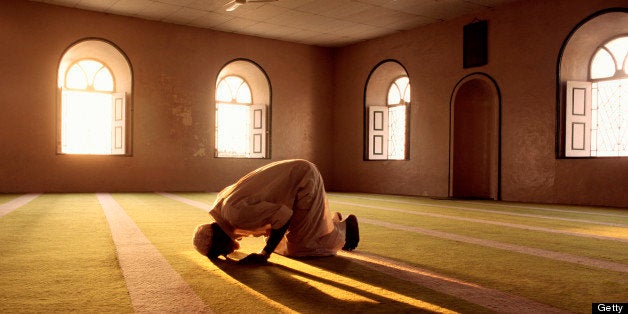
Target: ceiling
329	23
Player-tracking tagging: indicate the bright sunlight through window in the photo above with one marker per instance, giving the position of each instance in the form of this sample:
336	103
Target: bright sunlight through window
398	98
89	110
233	115
609	113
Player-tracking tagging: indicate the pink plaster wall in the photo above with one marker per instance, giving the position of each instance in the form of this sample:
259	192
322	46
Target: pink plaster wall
524	39
317	105
175	69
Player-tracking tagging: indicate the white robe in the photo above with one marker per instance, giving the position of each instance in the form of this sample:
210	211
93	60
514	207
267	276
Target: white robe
271	195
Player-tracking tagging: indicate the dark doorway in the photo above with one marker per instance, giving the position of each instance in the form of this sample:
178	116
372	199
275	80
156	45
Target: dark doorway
475	139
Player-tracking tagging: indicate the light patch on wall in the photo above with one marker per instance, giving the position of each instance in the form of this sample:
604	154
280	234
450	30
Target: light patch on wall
184	113
202	148
201	152
180	102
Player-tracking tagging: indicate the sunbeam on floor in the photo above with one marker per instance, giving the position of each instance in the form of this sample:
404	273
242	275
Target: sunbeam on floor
416	255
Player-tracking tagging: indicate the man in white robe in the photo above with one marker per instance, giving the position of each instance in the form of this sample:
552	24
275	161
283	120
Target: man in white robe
285	201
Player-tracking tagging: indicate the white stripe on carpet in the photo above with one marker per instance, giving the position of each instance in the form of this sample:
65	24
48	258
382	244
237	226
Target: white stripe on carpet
489	298
184	200
495	300
484	221
418	203
564	257
17	203
153	284
546	209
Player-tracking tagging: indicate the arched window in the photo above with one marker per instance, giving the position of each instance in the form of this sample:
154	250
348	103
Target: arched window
242	100
89	75
93	109
609	104
398	99
609	61
597	109
387	103
233	124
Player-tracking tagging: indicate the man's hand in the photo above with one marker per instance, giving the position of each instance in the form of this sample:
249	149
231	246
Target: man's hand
254	259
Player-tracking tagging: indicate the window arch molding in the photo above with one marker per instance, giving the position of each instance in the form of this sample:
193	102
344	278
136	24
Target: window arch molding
376	91
240	94
261	95
112	58
89	74
253	74
103	51
619	62
573	65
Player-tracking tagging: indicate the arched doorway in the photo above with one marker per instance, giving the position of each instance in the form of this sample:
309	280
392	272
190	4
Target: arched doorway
475	137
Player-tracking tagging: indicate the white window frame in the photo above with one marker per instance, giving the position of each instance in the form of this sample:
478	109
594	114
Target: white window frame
258	131
378	133
118	124
581	97
578	119
379	128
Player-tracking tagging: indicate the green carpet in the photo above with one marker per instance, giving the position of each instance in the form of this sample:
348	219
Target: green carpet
5	198
57	255
584	246
286	286
561	284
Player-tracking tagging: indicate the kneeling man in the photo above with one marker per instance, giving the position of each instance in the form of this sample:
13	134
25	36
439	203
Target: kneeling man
284	201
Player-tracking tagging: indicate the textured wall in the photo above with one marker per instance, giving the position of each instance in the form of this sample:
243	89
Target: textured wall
524	40
317	105
174	69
